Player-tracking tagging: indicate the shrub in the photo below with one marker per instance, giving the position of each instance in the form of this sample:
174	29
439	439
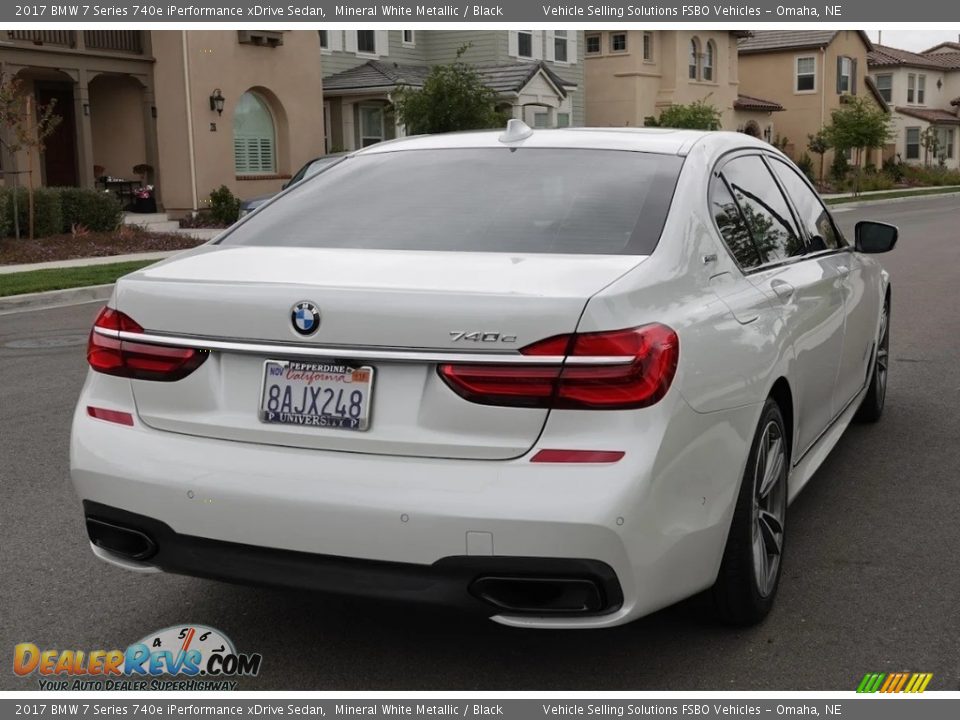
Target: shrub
876	181
840	167
5	228
224	206
57	210
69	206
894	168
47	215
934	176
805	163
95	210
698	115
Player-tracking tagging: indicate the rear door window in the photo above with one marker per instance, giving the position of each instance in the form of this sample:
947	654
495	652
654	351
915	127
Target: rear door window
764	208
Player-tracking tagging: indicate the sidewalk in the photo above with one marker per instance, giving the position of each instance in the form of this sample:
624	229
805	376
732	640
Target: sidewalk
199	233
943	188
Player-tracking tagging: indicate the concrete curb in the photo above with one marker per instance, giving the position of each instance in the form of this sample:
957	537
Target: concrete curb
54	298
835	207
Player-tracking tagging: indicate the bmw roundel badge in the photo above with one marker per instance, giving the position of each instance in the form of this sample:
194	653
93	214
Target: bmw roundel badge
305	317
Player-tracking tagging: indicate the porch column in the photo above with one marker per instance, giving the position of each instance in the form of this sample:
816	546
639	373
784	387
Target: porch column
85	160
346	117
151	151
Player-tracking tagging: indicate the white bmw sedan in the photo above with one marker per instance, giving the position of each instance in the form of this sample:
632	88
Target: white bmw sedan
562	377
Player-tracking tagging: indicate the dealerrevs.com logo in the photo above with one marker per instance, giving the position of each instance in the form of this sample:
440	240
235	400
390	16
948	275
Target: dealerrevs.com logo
197	657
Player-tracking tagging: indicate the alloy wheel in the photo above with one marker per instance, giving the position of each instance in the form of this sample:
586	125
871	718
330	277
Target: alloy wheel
883	355
769	507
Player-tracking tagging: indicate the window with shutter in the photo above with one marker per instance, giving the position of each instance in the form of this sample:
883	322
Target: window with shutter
844	72
254	137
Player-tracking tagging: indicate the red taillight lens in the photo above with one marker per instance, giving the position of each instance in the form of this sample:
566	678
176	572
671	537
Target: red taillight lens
650	354
140	361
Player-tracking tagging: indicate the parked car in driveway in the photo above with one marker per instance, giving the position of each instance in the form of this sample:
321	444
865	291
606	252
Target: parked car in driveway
308	170
561	377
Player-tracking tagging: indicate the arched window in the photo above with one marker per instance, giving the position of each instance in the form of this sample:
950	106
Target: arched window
254	137
708	61
694	61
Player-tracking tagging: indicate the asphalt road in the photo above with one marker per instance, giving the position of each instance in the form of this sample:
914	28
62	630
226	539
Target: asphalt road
872	573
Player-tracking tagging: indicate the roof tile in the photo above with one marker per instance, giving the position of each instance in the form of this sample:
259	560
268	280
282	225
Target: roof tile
886	56
939	117
499	77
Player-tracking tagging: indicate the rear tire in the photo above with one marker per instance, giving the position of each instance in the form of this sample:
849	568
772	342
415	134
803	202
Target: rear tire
750	571
871	408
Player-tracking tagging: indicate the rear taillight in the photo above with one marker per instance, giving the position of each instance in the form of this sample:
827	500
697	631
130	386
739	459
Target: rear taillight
631	368
108	353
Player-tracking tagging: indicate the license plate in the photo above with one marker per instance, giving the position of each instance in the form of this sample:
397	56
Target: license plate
316	394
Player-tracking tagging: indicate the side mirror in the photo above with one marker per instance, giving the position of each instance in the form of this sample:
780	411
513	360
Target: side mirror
875	237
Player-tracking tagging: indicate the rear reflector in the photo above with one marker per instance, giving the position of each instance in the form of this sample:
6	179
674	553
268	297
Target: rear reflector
577	456
649	362
114	416
140	361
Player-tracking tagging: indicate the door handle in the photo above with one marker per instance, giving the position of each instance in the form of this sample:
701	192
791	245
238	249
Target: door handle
784	290
843	269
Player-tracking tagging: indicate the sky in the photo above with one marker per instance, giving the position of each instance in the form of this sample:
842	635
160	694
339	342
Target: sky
916	40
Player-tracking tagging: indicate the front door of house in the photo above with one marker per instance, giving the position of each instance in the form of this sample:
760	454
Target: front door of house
60	153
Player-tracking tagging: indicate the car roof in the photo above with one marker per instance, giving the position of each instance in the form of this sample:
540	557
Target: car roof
653	140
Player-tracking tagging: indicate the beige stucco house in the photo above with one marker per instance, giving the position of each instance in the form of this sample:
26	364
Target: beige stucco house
202	107
631	75
809	73
924	91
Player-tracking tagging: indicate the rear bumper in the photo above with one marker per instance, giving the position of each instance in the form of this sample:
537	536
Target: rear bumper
486	585
649	528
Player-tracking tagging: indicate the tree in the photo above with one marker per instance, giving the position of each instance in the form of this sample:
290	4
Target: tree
453	98
930	140
27	128
819	144
857	125
698	115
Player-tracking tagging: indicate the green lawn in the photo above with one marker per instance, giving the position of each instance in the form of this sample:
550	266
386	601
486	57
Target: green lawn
62	278
893	194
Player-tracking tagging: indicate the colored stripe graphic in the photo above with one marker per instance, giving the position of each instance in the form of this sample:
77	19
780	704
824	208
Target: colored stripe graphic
894	682
918	683
871	682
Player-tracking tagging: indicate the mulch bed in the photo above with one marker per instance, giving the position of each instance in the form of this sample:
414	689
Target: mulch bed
94	244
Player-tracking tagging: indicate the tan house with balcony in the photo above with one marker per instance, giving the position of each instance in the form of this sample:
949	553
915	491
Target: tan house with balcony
202	107
632	75
924	92
809	73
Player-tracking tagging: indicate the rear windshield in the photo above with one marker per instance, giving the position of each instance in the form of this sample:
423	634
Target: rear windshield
477	199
